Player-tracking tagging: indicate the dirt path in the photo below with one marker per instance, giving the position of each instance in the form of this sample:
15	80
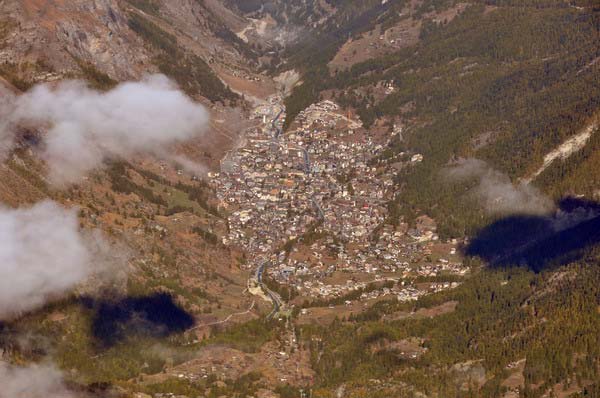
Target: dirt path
229	317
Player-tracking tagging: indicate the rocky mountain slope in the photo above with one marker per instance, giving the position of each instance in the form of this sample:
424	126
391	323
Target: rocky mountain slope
109	40
155	211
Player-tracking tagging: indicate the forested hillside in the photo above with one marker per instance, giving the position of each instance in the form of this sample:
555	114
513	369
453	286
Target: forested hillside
508	83
506	318
499	82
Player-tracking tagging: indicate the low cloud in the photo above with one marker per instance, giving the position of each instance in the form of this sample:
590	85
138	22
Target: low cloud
44	255
84	127
189	165
496	191
35	381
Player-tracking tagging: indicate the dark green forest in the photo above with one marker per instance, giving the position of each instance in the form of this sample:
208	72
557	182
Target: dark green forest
525	75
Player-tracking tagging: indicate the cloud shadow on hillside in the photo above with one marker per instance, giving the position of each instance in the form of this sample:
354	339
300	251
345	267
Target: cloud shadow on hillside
540	242
156	315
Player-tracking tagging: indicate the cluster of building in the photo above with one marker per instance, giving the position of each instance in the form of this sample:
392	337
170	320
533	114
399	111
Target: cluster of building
312	202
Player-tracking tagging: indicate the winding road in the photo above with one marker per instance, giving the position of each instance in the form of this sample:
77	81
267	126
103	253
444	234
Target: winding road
229	317
275	298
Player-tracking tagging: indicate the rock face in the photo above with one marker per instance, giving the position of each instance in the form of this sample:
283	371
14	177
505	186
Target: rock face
59	35
203	30
54	39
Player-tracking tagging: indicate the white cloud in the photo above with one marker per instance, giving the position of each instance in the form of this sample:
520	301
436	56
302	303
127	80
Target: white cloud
43	255
496	191
35	381
84	126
